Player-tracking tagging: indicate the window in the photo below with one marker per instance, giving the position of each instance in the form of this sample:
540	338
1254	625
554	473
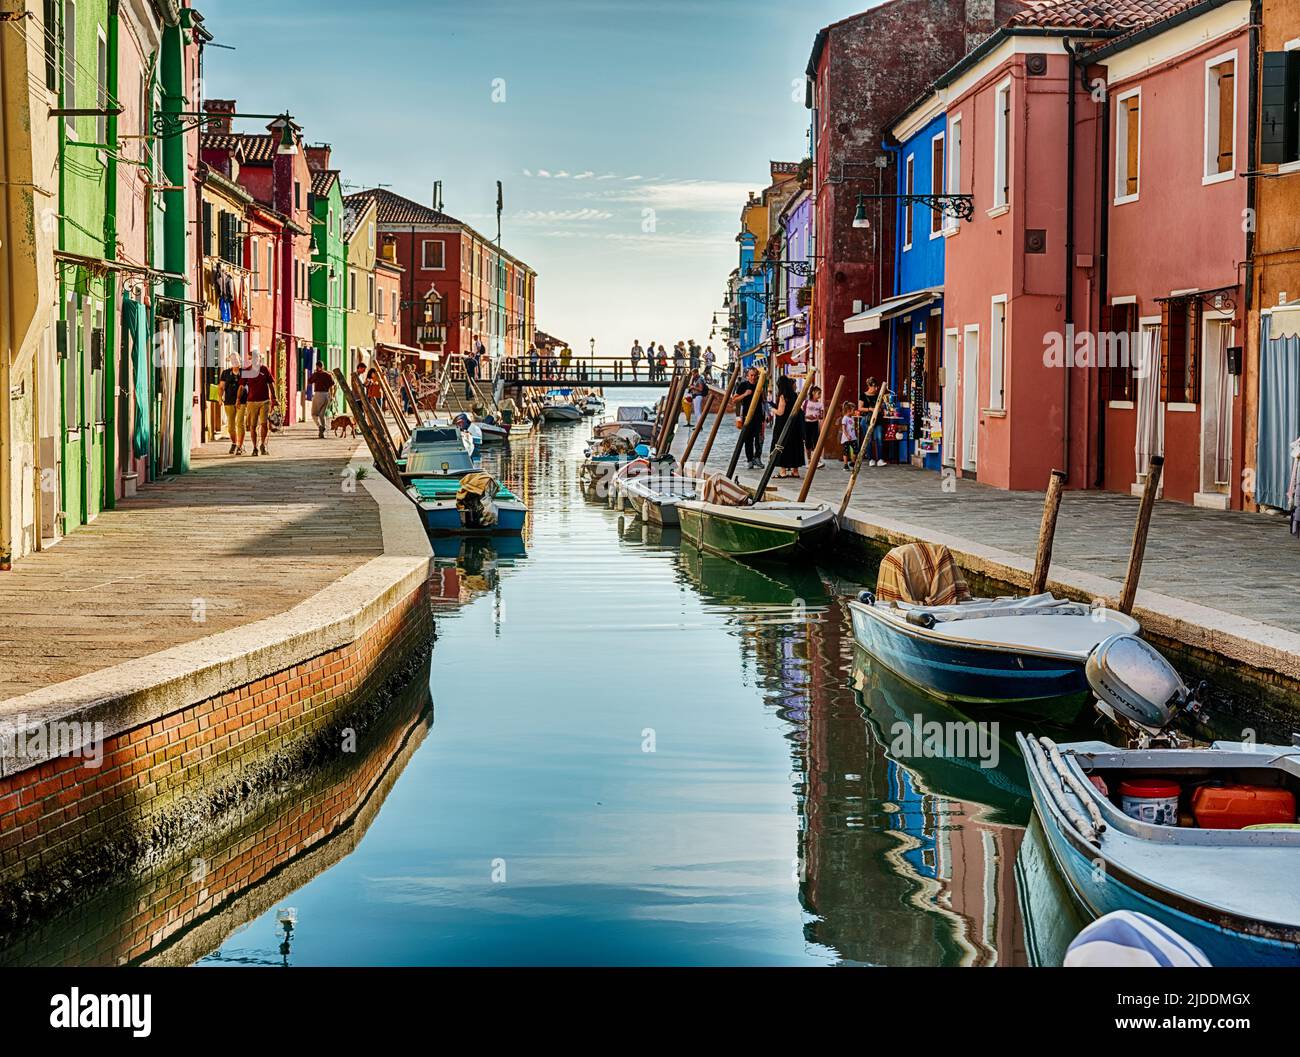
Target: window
394	304
1180	374
431	254
101	88
1002	145
206	233
997	355
1128	140
1279	125
270	268
954	162
370	294
256	260
378	301
936	183
329	223
297	195
352	290
371	234
333	291
51	28
70	61
1220	118
909	187
1115	353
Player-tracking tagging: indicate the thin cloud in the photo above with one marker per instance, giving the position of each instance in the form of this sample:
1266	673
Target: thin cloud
551	216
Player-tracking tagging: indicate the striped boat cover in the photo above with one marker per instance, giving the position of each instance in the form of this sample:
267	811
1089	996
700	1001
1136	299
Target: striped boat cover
921	573
721	489
1125	937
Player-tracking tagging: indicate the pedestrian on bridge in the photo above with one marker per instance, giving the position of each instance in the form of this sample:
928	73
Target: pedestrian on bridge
635	356
708	364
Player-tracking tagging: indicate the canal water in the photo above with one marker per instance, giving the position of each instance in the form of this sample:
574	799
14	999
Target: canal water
639	755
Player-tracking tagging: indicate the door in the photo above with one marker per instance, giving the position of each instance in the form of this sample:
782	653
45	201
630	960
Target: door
1216	408
94	402
970	386
949	398
74	463
1149	437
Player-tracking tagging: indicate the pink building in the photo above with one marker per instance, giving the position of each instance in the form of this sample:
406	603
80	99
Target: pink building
1020	276
1171	250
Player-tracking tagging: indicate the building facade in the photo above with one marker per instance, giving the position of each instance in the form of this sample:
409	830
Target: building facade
360	251
328	270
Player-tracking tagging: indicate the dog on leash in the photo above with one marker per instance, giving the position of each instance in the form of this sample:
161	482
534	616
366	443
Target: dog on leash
341	425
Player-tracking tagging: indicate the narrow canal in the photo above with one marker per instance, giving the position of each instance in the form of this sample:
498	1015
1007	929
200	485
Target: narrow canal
642	755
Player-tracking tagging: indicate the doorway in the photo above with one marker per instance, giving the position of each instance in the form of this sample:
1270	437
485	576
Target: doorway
949	397
1149	436
970	385
1216	414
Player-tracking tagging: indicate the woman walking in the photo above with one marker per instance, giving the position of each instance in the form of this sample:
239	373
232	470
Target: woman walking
790	458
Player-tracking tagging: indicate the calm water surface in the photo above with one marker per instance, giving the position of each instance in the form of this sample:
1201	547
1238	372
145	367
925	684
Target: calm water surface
641	755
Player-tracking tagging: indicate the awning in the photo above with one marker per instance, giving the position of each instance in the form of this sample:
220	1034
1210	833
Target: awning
895	306
1284	321
406	350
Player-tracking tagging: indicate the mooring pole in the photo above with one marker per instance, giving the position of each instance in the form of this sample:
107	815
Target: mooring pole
1047	532
1140	534
779	446
717	421
862	447
754	401
822	437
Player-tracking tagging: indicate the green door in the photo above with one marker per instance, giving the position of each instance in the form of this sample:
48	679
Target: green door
74	507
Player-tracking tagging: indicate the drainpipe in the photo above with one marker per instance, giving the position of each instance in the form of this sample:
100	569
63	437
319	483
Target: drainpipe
110	280
1103	269
1069	251
1252	140
7	318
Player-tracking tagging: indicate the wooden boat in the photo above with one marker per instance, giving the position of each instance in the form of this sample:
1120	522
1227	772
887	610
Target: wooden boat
1014	653
447	511
558	406
655	496
763	531
1231	892
640	419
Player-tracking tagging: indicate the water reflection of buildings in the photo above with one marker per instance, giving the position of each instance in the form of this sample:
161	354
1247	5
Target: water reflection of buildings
903	863
180	911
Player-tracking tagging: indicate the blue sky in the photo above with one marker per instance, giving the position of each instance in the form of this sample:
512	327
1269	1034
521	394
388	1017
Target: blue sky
591	112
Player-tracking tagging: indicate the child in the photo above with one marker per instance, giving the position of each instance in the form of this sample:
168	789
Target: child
848	433
813	409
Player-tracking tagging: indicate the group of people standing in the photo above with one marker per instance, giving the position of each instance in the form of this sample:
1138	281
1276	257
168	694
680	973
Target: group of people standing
247	391
801	442
686	355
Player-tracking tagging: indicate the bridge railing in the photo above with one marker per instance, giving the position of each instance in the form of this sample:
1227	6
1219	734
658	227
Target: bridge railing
594	370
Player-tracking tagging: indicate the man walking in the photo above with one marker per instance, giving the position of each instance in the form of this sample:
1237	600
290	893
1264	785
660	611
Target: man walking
230	384
260	386
322	390
751	429
471	370
708	364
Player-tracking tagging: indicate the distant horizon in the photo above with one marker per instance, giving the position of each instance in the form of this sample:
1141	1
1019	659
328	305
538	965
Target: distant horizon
623	178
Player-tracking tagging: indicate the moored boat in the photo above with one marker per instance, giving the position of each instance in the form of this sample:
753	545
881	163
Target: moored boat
472	504
654	496
558	406
760	531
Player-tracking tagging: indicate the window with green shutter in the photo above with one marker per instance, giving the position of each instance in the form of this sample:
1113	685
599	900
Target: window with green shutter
1279	132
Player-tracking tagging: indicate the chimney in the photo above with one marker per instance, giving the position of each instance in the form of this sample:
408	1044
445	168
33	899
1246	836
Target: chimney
389	249
318	157
221	109
981	21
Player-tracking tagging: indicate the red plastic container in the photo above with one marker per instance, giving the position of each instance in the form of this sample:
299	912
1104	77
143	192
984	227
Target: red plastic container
1237	806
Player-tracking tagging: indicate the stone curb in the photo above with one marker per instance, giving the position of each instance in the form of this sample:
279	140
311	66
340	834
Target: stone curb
141	690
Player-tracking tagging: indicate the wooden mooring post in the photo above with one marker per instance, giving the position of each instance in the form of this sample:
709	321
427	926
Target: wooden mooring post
376	436
755	401
822	437
862	448
1047	532
717	421
1149	492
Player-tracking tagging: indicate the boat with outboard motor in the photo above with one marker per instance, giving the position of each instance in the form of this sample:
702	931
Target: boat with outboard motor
1202	838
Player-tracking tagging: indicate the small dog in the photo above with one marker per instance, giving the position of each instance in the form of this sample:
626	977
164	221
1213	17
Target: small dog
341	425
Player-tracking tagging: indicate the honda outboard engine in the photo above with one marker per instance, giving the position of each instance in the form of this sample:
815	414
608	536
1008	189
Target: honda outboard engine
1136	687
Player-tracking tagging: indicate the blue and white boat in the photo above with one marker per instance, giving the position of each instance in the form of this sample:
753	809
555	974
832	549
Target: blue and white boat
465	506
1231	892
1025	654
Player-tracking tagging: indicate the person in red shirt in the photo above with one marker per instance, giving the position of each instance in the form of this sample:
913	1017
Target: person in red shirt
322	388
257	378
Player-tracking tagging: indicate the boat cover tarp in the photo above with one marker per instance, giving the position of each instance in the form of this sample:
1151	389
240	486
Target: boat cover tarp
474	498
635	414
1044	605
723	491
922	573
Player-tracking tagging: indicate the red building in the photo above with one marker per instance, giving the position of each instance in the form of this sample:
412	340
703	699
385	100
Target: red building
862	72
457	288
1178	118
273	167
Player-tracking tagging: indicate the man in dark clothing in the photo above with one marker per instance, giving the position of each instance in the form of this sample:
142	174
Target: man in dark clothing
322	388
230	383
751	433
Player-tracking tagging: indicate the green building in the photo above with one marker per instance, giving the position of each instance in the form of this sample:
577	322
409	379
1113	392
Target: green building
329	267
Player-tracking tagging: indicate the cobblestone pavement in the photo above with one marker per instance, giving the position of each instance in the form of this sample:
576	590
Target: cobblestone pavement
233	541
1244	564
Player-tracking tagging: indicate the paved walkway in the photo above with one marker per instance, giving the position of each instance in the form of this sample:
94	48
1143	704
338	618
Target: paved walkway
1243	564
233	541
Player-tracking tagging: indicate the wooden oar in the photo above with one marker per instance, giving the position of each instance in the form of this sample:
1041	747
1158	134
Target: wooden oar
717	421
679	396
779	446
403	430
1134	572
380	447
821	440
1047	532
862	447
754	401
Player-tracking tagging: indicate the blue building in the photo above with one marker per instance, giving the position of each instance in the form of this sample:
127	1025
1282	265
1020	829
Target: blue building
748	303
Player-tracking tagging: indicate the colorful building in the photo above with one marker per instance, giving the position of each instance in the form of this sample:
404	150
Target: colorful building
1271	376
329	268
794	289
360	251
1172	309
388	294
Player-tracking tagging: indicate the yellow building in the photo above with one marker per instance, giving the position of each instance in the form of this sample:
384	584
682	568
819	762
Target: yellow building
29	498
360	222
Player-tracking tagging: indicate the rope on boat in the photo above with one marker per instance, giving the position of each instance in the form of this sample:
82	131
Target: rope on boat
1076	786
1081	824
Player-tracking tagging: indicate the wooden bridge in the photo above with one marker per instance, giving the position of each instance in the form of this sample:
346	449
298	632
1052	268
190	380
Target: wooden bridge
554	372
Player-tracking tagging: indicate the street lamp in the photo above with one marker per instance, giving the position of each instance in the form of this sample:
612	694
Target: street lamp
860	215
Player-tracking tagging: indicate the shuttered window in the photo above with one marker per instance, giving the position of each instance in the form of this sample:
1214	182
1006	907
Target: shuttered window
1220	117
1181	353
1279	126
1128	143
1115	353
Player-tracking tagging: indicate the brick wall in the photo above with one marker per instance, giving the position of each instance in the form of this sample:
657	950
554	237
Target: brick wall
163	788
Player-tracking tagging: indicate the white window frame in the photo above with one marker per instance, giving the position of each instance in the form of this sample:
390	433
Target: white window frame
101	85
424	255
352	289
909	187
997	353
70	63
952	162
1002	146
1121	195
938	221
370	293
371	234
270	267
1208	177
